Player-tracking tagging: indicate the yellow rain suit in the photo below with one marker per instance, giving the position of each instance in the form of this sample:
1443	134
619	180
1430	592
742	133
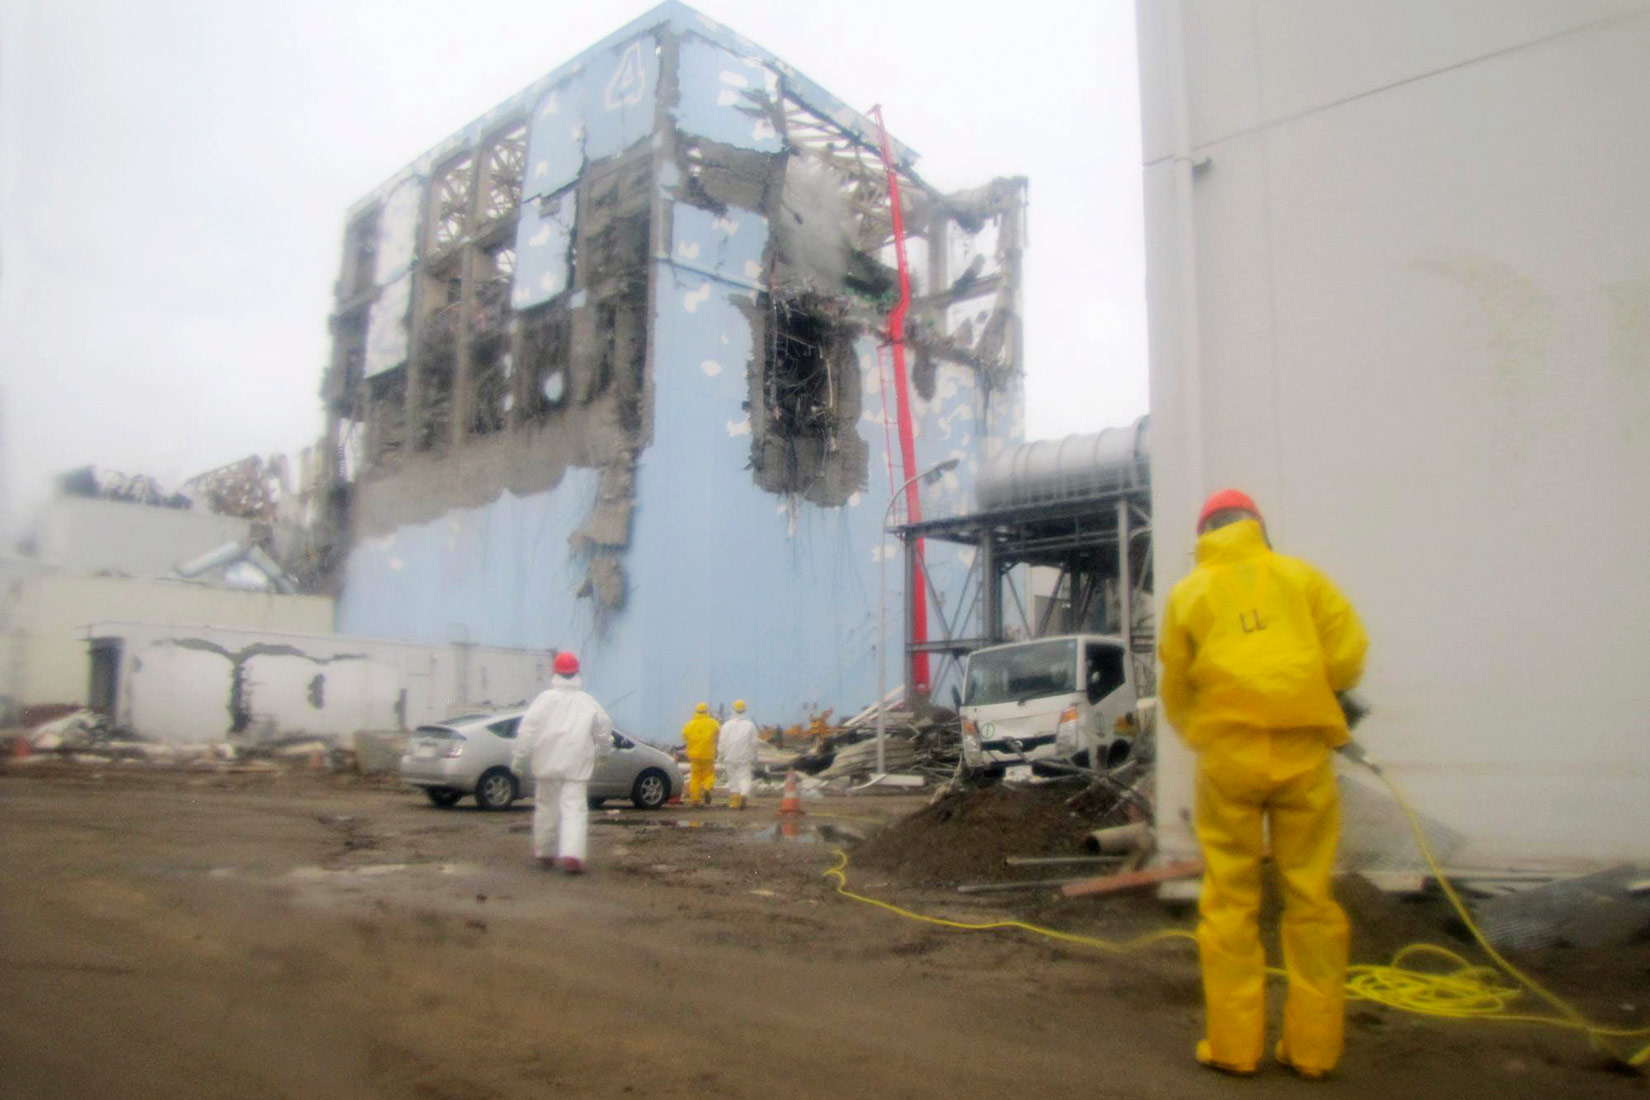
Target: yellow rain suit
1254	647
699	735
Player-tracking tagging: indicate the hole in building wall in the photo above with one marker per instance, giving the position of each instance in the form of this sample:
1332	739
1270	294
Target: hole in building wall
495	271
450	202
441	302
489	385
349	357
490	361
806	440
386	414
360	256
546	340
502	169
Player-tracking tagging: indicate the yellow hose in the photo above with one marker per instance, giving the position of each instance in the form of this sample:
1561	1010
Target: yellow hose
1462	991
839	875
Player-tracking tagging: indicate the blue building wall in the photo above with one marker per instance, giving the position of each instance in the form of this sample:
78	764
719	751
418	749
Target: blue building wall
733	592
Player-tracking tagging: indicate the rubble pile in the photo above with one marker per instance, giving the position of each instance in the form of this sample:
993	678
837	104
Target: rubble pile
968	834
925	744
85	737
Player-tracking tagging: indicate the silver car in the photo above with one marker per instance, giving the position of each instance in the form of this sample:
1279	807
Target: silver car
470	755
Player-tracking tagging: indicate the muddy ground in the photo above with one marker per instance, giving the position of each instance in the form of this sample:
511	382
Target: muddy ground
183	936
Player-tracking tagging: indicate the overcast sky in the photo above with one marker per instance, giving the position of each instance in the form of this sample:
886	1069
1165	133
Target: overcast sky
174	176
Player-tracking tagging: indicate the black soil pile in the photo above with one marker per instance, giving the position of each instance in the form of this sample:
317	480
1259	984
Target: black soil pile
965	837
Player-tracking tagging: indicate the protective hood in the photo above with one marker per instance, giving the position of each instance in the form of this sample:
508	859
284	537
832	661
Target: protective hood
1254	639
1235	541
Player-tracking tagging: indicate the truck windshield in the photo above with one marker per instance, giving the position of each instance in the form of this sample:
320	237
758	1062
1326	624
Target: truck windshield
1022	672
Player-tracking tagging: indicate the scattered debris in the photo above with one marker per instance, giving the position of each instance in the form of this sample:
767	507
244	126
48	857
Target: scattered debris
83	727
1056	861
101	483
1016	887
1121	839
85	737
1133	880
968	835
925	744
1596	910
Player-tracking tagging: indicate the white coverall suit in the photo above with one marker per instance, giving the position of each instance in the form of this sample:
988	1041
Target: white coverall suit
737	748
558	741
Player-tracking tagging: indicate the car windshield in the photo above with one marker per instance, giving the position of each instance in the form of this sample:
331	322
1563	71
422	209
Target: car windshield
1022	672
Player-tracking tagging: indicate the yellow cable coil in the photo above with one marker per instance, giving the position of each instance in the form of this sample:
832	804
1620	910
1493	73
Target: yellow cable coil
1463	991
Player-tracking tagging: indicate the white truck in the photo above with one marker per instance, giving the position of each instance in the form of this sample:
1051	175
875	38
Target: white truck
1066	698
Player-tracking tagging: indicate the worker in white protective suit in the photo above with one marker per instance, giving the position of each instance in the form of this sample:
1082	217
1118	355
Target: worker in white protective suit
559	740
737	749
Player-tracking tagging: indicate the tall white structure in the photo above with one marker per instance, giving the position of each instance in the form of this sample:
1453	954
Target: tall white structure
1398	264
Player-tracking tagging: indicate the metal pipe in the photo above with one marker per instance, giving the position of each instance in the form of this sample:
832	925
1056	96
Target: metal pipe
991	587
1054	861
917	670
1014	887
1135	837
882	613
227	554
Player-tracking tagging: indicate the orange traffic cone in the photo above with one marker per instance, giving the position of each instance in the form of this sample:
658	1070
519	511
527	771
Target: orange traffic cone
790	802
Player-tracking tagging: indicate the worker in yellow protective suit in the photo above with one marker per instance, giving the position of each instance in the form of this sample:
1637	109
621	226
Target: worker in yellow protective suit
1255	646
699	735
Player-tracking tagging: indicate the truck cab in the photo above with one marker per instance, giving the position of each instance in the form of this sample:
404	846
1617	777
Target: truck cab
1066	698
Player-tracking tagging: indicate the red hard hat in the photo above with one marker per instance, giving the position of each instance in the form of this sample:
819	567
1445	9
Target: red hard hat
1223	500
566	664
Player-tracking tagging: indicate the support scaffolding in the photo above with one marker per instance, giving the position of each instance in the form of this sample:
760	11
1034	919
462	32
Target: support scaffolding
1097	540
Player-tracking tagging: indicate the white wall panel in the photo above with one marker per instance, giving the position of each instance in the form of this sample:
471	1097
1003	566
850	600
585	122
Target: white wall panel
1425	330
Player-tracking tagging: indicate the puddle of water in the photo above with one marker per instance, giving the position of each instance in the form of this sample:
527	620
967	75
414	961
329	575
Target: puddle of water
664	823
789	831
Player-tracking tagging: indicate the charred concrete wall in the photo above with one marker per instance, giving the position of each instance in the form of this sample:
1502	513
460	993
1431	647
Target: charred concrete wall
668	447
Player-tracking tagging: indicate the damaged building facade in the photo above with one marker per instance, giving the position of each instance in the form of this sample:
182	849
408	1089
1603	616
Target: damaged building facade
611	373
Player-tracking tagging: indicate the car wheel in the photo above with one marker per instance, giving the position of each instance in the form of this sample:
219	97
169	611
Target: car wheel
496	789
445	797
651	791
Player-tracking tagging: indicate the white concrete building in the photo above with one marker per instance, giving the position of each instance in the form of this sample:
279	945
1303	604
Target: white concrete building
95	558
1399	284
186	685
43	655
97	535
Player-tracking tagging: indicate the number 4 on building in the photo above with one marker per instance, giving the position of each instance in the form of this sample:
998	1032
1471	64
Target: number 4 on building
626	86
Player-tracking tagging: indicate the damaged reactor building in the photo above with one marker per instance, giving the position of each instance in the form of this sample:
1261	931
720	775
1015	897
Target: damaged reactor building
611	372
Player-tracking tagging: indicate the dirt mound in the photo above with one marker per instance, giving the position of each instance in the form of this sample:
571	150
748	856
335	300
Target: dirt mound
965	836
